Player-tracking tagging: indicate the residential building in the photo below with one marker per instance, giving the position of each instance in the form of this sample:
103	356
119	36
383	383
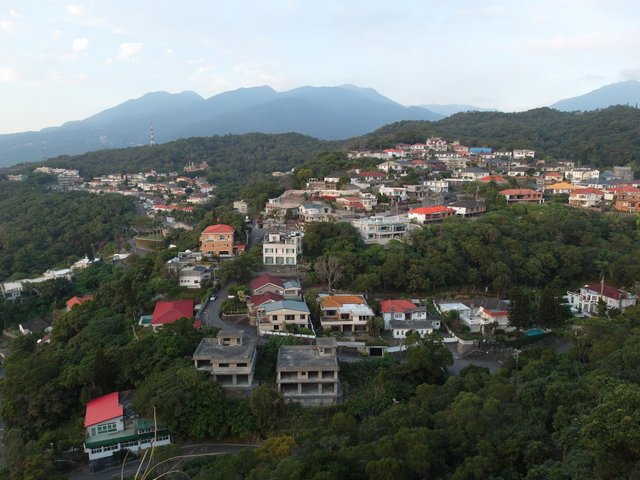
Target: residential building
308	374
401	328
479	315
497	179
623	173
219	240
397	193
241	206
165	313
586	197
111	425
401	310
230	358
471	174
344	312
392	165
282	248
289	288
468	208
437	186
560	188
522	154
627	202
275	316
582	174
73	301
382	229
194	276
522	195
256	301
315	212
585	300
427	215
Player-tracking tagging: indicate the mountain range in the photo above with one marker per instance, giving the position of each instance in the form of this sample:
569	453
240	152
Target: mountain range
621	93
328	113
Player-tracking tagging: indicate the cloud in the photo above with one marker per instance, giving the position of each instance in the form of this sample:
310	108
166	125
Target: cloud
79	44
129	50
570	44
8	75
56	34
631	73
6	26
80	15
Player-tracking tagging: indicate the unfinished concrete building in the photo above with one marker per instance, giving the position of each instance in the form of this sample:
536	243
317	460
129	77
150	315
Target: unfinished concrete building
230	358
308	374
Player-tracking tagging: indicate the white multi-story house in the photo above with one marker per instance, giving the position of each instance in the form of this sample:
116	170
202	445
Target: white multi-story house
437	186
194	276
282	248
581	174
380	229
585	299
275	316
344	312
522	154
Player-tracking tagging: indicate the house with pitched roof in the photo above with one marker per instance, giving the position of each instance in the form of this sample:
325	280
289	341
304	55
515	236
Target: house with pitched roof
560	188
586	197
344	312
165	313
585	299
73	301
219	240
478	314
111	425
275	316
401	309
289	288
427	215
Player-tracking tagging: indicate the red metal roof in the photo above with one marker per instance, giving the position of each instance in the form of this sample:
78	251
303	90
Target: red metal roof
266	279
169	312
519	191
219	228
258	300
388	306
73	301
582	191
103	408
431	210
607	291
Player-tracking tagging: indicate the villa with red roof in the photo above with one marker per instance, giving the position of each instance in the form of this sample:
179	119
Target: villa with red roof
426	215
168	312
499	179
219	240
73	301
111	425
586	197
522	195
289	289
585	299
400	310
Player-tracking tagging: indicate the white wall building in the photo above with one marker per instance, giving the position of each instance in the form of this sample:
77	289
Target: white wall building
282	248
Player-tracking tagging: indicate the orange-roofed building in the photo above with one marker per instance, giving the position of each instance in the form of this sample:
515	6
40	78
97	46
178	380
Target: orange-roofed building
111	426
73	301
627	202
560	188
344	313
426	215
499	179
219	240
521	195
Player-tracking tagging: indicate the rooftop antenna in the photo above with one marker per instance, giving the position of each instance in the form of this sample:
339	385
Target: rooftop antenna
152	140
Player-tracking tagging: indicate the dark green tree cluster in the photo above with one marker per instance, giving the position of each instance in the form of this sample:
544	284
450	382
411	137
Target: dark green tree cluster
42	229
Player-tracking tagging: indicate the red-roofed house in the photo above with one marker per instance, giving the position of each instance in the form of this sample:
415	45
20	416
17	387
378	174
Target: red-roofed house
267	283
218	240
499	179
111	425
522	195
371	176
585	299
73	301
168	312
400	310
627	201
426	215
586	197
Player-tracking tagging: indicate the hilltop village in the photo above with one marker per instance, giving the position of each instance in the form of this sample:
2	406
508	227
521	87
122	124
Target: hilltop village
288	295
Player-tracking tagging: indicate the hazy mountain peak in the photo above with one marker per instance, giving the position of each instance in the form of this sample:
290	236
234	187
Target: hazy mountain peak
620	93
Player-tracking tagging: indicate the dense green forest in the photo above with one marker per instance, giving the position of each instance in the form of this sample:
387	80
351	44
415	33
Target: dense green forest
41	229
602	138
524	245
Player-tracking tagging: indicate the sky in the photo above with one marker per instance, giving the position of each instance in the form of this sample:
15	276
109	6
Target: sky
67	60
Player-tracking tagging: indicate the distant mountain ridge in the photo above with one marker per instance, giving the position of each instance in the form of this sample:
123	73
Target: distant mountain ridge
453	108
327	113
621	93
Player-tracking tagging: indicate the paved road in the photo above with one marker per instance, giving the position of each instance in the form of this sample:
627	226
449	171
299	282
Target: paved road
188	452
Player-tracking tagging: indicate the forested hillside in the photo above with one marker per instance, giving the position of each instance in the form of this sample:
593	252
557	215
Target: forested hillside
602	138
230	157
41	229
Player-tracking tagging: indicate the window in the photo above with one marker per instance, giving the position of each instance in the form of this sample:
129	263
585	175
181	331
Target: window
289	317
268	260
108	427
224	365
268	250
241	365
